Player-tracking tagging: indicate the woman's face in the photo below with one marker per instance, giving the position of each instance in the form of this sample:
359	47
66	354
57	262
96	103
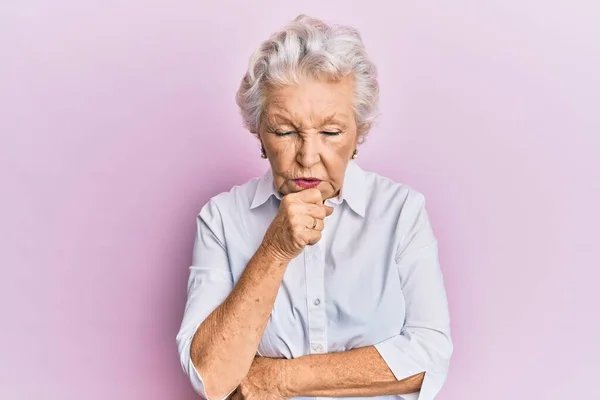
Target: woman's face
309	131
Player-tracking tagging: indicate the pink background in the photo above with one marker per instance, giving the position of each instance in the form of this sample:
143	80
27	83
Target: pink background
118	121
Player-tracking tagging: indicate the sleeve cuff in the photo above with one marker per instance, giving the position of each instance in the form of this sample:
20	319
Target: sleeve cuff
195	377
403	366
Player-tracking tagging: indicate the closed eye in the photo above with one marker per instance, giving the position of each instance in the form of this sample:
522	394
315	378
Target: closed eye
284	133
326	133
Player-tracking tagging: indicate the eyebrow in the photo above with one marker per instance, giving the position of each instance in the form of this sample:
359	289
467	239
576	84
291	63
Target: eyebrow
331	119
278	117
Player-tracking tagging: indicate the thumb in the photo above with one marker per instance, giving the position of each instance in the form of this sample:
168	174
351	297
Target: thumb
328	210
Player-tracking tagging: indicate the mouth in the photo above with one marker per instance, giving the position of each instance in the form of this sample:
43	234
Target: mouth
307	183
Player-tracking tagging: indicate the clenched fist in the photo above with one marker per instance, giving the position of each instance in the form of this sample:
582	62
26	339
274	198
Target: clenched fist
298	223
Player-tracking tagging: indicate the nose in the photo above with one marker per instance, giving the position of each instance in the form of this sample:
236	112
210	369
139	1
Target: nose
309	152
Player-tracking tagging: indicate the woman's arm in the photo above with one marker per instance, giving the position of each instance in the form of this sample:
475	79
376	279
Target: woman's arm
416	359
225	344
354	373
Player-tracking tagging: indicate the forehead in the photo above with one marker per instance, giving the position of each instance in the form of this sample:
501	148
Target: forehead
312	101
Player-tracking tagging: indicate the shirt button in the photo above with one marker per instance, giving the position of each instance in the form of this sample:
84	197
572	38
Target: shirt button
317	302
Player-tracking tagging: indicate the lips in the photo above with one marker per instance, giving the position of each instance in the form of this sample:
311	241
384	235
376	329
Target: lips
307	183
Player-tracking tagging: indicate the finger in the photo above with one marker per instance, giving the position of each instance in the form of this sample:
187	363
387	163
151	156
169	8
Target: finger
313	237
319	211
312	195
316	211
318	224
311	223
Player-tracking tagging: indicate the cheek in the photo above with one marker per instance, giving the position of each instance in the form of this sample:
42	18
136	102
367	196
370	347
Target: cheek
286	148
341	150
283	156
284	152
336	166
336	160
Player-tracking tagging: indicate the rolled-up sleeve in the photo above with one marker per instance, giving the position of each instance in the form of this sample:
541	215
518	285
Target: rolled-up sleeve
424	344
209	284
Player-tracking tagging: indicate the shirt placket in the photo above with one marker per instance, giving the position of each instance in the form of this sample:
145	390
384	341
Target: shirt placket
314	263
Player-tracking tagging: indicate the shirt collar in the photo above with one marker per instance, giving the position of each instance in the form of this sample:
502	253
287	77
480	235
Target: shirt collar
353	190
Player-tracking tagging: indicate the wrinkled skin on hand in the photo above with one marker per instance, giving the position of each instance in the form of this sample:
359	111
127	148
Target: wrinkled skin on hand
292	228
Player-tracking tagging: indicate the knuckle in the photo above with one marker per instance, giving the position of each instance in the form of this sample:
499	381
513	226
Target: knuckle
315	194
321	212
314	211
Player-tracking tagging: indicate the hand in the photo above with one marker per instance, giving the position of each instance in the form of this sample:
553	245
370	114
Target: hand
264	381
292	229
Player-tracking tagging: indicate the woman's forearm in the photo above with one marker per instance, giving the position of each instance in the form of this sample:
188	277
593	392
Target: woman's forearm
225	344
360	372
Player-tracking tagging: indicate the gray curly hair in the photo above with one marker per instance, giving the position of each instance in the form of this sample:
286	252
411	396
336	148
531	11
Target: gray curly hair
308	47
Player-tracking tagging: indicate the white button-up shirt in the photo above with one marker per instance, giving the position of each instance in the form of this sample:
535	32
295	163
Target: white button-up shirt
373	278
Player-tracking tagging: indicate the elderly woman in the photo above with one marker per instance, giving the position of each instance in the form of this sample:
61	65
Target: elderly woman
318	279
